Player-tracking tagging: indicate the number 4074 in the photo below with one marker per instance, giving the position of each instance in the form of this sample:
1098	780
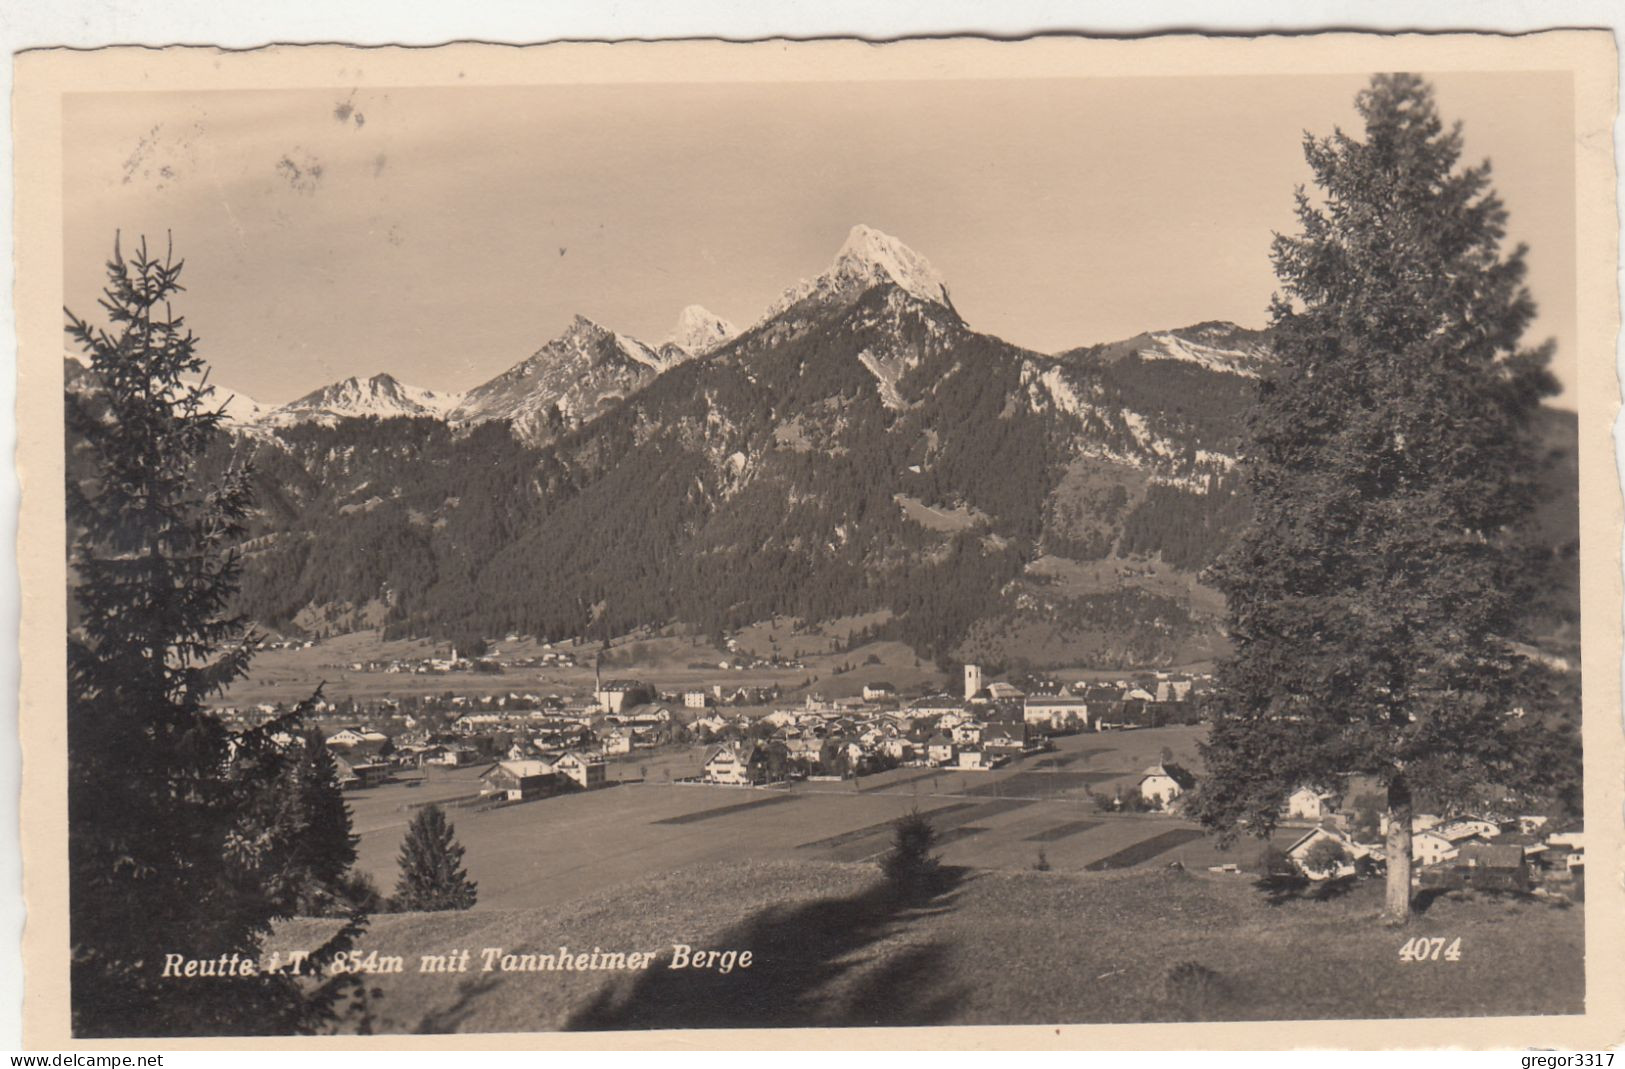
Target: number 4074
1424	949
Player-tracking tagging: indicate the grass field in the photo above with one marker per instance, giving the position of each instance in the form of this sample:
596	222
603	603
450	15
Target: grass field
547	852
996	947
290	675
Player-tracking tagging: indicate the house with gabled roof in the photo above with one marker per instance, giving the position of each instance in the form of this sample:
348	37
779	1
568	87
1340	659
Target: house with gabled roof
1353	852
733	764
1310	803
1162	783
519	780
584	770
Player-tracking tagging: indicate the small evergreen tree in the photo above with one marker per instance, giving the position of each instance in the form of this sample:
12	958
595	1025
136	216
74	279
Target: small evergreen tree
432	877
324	848
910	867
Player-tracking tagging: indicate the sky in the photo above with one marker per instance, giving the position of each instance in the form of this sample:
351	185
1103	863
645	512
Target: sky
444	234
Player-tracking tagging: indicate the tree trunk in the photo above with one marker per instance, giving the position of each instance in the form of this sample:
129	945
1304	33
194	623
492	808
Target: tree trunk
1398	849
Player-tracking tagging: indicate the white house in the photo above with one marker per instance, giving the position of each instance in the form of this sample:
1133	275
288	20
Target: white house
1431	848
874	692
898	749
1310	803
1056	712
619	694
1353	851
353	736
695	699
974	759
584	770
618	742
518	780
730	764
1162	783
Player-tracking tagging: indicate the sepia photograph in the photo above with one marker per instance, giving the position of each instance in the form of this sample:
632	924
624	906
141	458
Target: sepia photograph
702	549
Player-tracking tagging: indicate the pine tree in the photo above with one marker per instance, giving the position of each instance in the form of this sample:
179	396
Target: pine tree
911	869
324	846
432	877
1376	594
175	830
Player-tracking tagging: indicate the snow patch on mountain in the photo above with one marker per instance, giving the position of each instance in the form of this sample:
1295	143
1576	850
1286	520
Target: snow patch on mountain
886	376
699	331
639	353
240	410
566	382
1061	393
1170	346
866	259
381	397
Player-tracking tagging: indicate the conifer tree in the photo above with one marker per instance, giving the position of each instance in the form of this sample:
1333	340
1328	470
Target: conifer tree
432	877
176	845
1377	594
324	847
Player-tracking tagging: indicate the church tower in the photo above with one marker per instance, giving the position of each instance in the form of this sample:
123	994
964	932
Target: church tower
973	681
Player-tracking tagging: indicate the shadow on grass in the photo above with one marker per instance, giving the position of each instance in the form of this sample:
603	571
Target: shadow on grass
1280	889
469	994
798	957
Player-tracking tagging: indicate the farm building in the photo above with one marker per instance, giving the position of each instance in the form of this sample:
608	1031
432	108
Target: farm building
355	771
354	736
519	780
1353	853
1161	784
1310	803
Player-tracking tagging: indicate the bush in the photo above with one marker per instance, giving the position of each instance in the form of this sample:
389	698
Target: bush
1325	858
911	869
356	891
1191	990
1272	861
1042	864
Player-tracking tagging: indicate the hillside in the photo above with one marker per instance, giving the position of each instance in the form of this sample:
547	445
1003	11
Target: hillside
1000	947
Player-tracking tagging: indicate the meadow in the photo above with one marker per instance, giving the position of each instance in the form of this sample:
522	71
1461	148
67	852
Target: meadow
545	852
831	948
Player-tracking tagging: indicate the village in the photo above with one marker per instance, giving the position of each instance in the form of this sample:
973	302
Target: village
518	747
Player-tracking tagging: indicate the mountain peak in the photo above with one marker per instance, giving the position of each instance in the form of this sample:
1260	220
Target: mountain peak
699	330
868	258
582	325
382	396
878	252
